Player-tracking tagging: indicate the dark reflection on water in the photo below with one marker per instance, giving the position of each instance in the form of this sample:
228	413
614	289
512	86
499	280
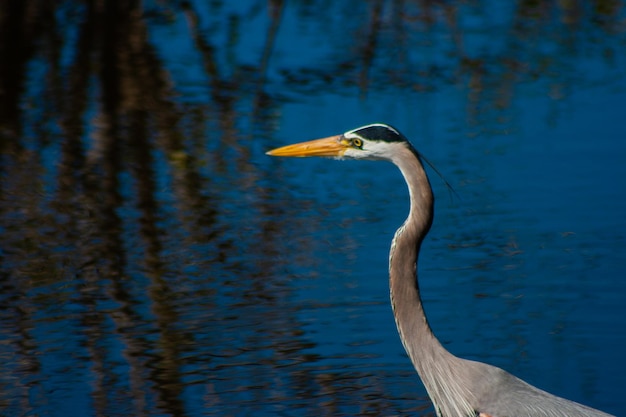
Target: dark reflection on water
155	262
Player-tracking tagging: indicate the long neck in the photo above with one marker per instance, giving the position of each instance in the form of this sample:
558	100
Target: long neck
417	337
431	360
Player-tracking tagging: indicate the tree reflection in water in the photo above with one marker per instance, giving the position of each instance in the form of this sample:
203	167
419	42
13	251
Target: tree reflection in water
142	268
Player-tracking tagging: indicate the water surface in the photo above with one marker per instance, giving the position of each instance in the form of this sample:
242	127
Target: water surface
154	261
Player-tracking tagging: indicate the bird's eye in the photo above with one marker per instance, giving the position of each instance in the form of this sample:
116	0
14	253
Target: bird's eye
357	143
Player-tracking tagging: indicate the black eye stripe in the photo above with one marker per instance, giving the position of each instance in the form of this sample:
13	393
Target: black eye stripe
379	132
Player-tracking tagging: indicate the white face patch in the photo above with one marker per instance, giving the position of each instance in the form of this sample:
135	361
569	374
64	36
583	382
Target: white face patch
375	150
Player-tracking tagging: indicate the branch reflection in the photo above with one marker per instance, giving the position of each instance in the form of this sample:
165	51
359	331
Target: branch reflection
141	254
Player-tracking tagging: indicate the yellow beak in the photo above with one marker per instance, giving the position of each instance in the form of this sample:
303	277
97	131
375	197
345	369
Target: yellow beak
330	146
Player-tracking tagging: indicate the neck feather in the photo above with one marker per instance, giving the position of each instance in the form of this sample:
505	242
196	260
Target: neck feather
432	361
415	332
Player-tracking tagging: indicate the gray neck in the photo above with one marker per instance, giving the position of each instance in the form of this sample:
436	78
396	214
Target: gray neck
417	337
431	360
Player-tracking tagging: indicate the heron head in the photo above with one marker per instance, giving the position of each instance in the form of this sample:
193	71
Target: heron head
376	142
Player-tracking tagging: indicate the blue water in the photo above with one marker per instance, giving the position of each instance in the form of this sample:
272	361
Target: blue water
154	261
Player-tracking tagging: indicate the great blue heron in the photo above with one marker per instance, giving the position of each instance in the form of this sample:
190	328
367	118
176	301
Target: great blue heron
457	387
